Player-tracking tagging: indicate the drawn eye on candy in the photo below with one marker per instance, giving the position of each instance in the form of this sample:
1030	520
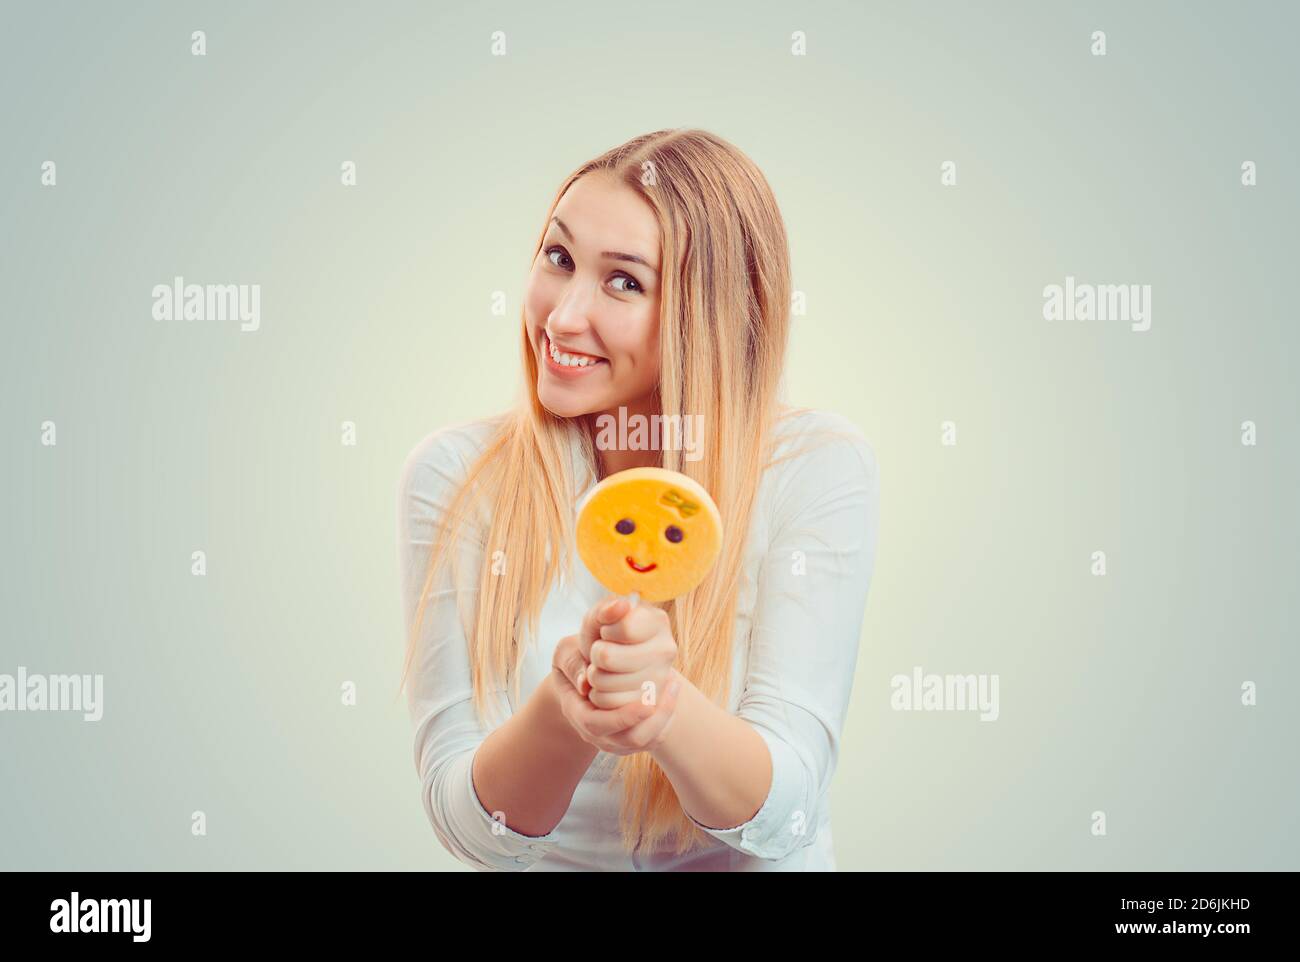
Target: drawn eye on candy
649	533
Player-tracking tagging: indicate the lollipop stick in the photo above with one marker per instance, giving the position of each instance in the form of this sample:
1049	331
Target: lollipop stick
633	598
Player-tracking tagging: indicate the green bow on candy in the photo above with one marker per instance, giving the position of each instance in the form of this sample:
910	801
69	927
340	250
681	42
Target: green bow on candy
675	500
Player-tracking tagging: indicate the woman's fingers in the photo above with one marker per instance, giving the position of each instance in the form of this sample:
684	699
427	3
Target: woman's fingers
574	708
607	612
647	687
616	656
640	624
613	699
617	681
632	728
577	682
623	701
601	722
569	661
579	673
645	735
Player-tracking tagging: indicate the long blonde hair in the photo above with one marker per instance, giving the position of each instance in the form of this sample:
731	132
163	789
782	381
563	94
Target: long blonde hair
725	315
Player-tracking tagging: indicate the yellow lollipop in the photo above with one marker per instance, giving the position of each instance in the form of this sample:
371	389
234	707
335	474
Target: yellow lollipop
649	532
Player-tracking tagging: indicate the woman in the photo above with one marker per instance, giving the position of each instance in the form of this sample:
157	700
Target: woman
660	287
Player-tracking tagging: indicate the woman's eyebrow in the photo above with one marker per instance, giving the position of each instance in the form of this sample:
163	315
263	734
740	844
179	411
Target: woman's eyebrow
614	255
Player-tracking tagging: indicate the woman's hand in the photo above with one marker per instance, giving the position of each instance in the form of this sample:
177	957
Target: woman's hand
631	655
636	723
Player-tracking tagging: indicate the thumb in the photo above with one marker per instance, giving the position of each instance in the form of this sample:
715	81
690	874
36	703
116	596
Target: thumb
605	613
662	718
666	698
670	696
613	610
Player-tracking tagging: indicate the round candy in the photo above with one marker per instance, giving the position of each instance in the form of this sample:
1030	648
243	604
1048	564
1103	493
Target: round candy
649	530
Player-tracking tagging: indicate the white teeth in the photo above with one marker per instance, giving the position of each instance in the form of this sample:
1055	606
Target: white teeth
568	360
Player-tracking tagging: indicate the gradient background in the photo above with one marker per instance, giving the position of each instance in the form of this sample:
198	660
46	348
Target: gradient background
1119	693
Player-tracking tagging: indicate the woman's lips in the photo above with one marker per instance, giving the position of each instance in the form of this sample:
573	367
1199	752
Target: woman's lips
560	370
650	567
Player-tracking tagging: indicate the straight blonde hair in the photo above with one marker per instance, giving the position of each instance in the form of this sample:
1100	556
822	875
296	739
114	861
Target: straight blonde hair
726	288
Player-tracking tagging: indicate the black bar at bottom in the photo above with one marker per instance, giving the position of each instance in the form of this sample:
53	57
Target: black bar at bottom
333	910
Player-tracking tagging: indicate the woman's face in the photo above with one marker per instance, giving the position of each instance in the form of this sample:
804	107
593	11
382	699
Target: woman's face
593	294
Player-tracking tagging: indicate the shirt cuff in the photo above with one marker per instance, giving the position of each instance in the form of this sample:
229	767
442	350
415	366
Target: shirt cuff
491	840
780	824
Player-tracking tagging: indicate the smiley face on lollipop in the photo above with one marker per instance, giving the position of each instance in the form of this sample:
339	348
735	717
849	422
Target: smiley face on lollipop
649	530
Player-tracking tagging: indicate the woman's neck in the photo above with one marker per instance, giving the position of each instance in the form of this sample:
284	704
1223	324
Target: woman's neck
613	452
611	462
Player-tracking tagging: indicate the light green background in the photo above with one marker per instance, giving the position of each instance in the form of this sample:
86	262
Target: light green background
1118	694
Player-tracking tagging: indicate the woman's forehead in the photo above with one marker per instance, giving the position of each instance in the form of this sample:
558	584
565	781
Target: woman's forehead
604	214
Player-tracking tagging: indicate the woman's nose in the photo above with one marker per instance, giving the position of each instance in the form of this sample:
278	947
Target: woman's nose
570	315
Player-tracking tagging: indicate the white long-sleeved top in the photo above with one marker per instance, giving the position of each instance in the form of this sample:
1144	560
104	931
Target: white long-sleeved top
808	565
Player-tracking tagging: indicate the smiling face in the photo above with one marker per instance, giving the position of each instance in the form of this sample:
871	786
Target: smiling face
593	294
649	530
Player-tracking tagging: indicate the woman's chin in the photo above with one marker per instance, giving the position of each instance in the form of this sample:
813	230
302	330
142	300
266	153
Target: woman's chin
564	405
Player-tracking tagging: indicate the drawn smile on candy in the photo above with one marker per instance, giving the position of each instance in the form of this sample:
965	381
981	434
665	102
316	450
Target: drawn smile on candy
636	567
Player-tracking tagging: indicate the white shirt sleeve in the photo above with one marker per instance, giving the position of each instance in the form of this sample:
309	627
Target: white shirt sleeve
812	592
440	696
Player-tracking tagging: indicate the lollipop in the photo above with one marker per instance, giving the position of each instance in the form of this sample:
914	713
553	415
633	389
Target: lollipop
649	533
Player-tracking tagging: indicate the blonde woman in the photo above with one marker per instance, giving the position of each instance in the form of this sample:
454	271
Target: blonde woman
660	287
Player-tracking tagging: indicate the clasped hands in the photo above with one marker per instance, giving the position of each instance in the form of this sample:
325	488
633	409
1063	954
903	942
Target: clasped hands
617	685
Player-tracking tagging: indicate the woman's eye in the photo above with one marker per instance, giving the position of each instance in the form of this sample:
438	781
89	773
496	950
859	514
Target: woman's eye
553	252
